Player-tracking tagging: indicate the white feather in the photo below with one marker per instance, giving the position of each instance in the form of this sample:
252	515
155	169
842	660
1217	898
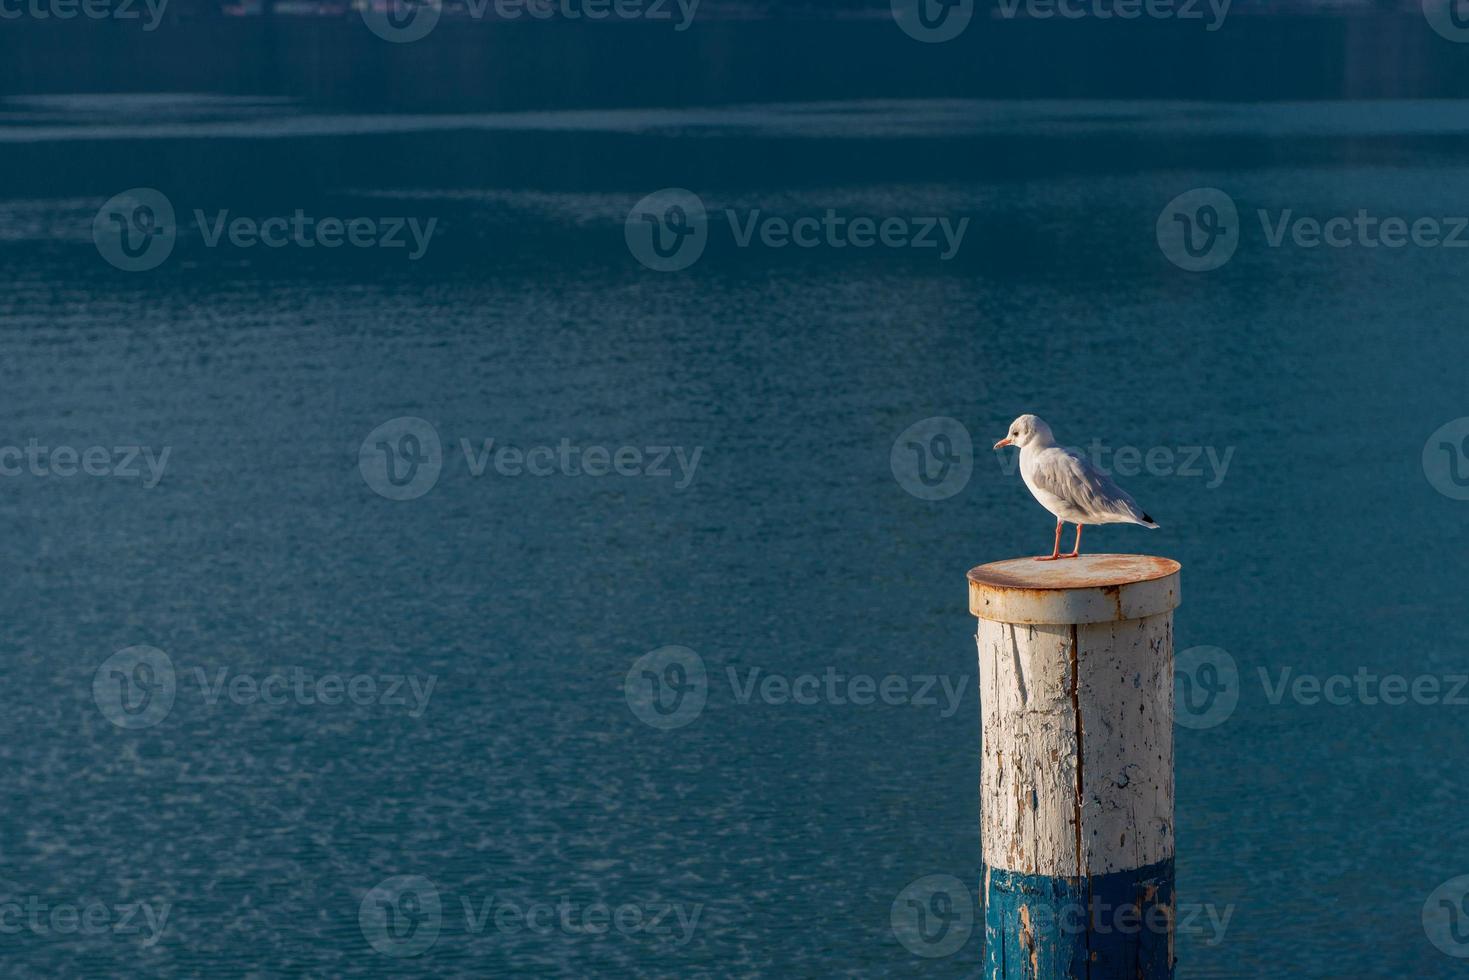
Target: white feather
1066	483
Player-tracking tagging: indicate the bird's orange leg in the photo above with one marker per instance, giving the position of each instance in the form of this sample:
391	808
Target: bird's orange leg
1076	548
1056	550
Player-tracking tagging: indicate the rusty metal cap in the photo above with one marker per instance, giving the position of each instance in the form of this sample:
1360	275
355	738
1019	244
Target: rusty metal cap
1089	589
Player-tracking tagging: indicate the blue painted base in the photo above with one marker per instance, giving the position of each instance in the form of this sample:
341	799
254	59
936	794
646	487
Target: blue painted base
1109	926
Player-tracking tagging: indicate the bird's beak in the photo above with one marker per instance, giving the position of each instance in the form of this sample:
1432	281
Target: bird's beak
1003	443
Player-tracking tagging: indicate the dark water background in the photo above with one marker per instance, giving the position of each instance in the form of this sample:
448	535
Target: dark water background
794	549
1260	50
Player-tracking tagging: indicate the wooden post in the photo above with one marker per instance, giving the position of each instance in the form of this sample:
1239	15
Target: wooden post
1076	703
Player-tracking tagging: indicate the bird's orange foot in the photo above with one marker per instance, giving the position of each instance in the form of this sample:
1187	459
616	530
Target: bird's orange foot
1074	554
1050	557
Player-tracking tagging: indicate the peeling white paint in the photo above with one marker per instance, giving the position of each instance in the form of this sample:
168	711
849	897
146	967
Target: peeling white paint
1034	681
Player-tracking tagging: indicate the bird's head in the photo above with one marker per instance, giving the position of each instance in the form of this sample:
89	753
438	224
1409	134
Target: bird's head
1025	431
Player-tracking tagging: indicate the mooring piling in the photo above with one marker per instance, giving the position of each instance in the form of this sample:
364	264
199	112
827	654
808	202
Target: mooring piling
1076	703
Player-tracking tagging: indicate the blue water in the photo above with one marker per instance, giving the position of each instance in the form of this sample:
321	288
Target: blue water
791	829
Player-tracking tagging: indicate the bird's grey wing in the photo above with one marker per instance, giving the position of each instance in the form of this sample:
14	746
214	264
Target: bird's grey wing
1071	476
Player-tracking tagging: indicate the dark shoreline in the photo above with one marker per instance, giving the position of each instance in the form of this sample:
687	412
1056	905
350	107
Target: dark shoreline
477	66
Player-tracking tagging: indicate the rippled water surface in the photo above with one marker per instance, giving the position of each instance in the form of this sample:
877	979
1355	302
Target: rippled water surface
775	837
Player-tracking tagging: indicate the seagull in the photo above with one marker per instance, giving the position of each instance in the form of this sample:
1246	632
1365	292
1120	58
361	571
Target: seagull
1068	485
